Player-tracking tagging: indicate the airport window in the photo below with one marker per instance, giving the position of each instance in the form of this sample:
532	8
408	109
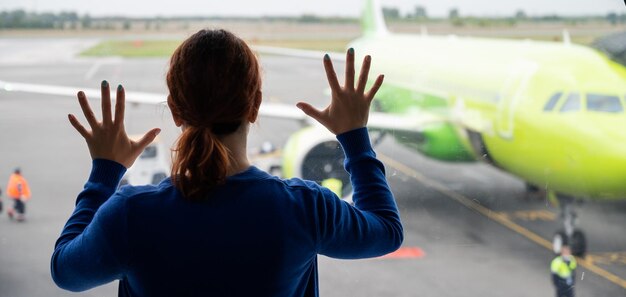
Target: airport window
554	99
572	103
486	185
604	103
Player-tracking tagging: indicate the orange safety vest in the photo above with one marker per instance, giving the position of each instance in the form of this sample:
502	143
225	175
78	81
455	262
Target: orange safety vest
18	187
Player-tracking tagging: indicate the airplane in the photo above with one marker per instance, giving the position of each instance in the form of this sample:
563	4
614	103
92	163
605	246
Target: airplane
549	113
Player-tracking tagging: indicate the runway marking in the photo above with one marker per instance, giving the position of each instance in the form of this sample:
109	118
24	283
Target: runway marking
99	63
405	253
608	258
495	216
531	215
93	69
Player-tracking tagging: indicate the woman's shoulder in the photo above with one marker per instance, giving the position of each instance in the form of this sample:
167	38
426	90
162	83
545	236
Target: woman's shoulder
297	183
143	192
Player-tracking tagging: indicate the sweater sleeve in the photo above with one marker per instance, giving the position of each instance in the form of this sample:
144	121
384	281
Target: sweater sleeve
89	251
371	227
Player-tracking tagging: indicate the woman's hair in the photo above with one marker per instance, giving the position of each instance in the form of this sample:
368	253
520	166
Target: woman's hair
214	82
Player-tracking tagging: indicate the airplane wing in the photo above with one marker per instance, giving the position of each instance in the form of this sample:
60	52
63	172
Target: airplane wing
377	120
297	53
132	97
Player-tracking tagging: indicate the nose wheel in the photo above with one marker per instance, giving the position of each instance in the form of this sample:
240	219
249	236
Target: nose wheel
570	235
577	242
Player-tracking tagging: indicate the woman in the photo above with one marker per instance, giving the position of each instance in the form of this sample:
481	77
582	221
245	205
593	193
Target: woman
219	226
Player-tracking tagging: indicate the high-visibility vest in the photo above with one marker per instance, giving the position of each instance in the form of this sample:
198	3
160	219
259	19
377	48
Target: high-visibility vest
18	187
561	268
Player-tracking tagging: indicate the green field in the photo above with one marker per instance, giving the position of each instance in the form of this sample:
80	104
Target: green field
133	48
165	48
333	45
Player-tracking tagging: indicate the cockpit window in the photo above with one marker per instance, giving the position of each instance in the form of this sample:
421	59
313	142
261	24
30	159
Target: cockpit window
604	103
572	103
554	99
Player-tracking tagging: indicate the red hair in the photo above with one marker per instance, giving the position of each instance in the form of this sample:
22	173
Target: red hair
214	82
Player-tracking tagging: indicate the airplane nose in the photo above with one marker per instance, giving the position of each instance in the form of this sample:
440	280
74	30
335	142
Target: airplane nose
611	179
606	164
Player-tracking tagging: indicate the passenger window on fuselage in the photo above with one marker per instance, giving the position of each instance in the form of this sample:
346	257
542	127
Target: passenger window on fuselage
572	103
554	99
604	103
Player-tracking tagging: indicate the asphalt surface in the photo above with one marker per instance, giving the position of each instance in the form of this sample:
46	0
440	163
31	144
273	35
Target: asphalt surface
475	230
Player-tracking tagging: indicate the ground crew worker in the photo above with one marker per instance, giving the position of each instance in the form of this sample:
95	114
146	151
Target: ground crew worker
563	269
18	190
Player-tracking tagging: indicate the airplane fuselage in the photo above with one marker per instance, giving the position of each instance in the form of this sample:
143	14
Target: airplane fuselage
549	113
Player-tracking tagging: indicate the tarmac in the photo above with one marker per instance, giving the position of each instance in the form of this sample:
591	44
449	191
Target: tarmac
470	229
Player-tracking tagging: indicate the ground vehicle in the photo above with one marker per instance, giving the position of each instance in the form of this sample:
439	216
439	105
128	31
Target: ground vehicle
151	167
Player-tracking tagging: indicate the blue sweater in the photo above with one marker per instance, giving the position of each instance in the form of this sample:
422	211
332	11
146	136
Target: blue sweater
257	235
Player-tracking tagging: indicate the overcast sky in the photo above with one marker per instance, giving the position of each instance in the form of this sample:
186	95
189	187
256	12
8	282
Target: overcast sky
319	7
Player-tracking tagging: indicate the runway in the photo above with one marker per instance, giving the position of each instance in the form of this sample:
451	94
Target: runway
477	231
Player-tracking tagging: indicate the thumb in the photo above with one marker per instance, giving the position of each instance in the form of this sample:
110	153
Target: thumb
310	111
148	138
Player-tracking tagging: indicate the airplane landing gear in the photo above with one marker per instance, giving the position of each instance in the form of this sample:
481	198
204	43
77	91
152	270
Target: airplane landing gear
575	238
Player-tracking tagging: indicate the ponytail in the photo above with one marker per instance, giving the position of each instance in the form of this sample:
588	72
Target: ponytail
200	162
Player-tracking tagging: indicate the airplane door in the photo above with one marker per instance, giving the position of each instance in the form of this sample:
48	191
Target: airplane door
511	94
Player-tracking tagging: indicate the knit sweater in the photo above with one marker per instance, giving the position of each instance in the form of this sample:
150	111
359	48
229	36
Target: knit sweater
255	235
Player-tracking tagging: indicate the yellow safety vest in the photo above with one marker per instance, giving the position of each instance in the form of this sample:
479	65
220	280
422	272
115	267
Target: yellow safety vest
562	269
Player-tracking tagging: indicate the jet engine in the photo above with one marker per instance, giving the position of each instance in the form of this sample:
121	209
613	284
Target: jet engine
313	153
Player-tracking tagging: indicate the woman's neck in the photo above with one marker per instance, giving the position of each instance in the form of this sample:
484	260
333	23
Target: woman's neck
237	144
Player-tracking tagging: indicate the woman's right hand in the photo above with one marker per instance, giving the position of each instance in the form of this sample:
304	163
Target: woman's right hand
349	107
108	139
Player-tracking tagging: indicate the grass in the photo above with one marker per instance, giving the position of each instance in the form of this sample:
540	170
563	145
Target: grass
133	48
165	48
332	45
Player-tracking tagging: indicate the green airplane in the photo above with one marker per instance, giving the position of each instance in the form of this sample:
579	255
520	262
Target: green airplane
549	113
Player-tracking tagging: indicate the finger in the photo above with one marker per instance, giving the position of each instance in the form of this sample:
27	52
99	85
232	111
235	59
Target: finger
76	124
365	70
120	103
84	105
379	81
106	103
350	69
148	138
310	111
331	75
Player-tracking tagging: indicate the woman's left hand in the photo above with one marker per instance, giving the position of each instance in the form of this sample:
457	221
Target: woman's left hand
108	139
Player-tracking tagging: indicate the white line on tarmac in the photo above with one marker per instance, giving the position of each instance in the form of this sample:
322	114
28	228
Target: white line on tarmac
96	66
92	71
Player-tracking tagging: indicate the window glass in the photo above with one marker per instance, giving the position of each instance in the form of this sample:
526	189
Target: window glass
554	99
604	103
572	103
480	181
